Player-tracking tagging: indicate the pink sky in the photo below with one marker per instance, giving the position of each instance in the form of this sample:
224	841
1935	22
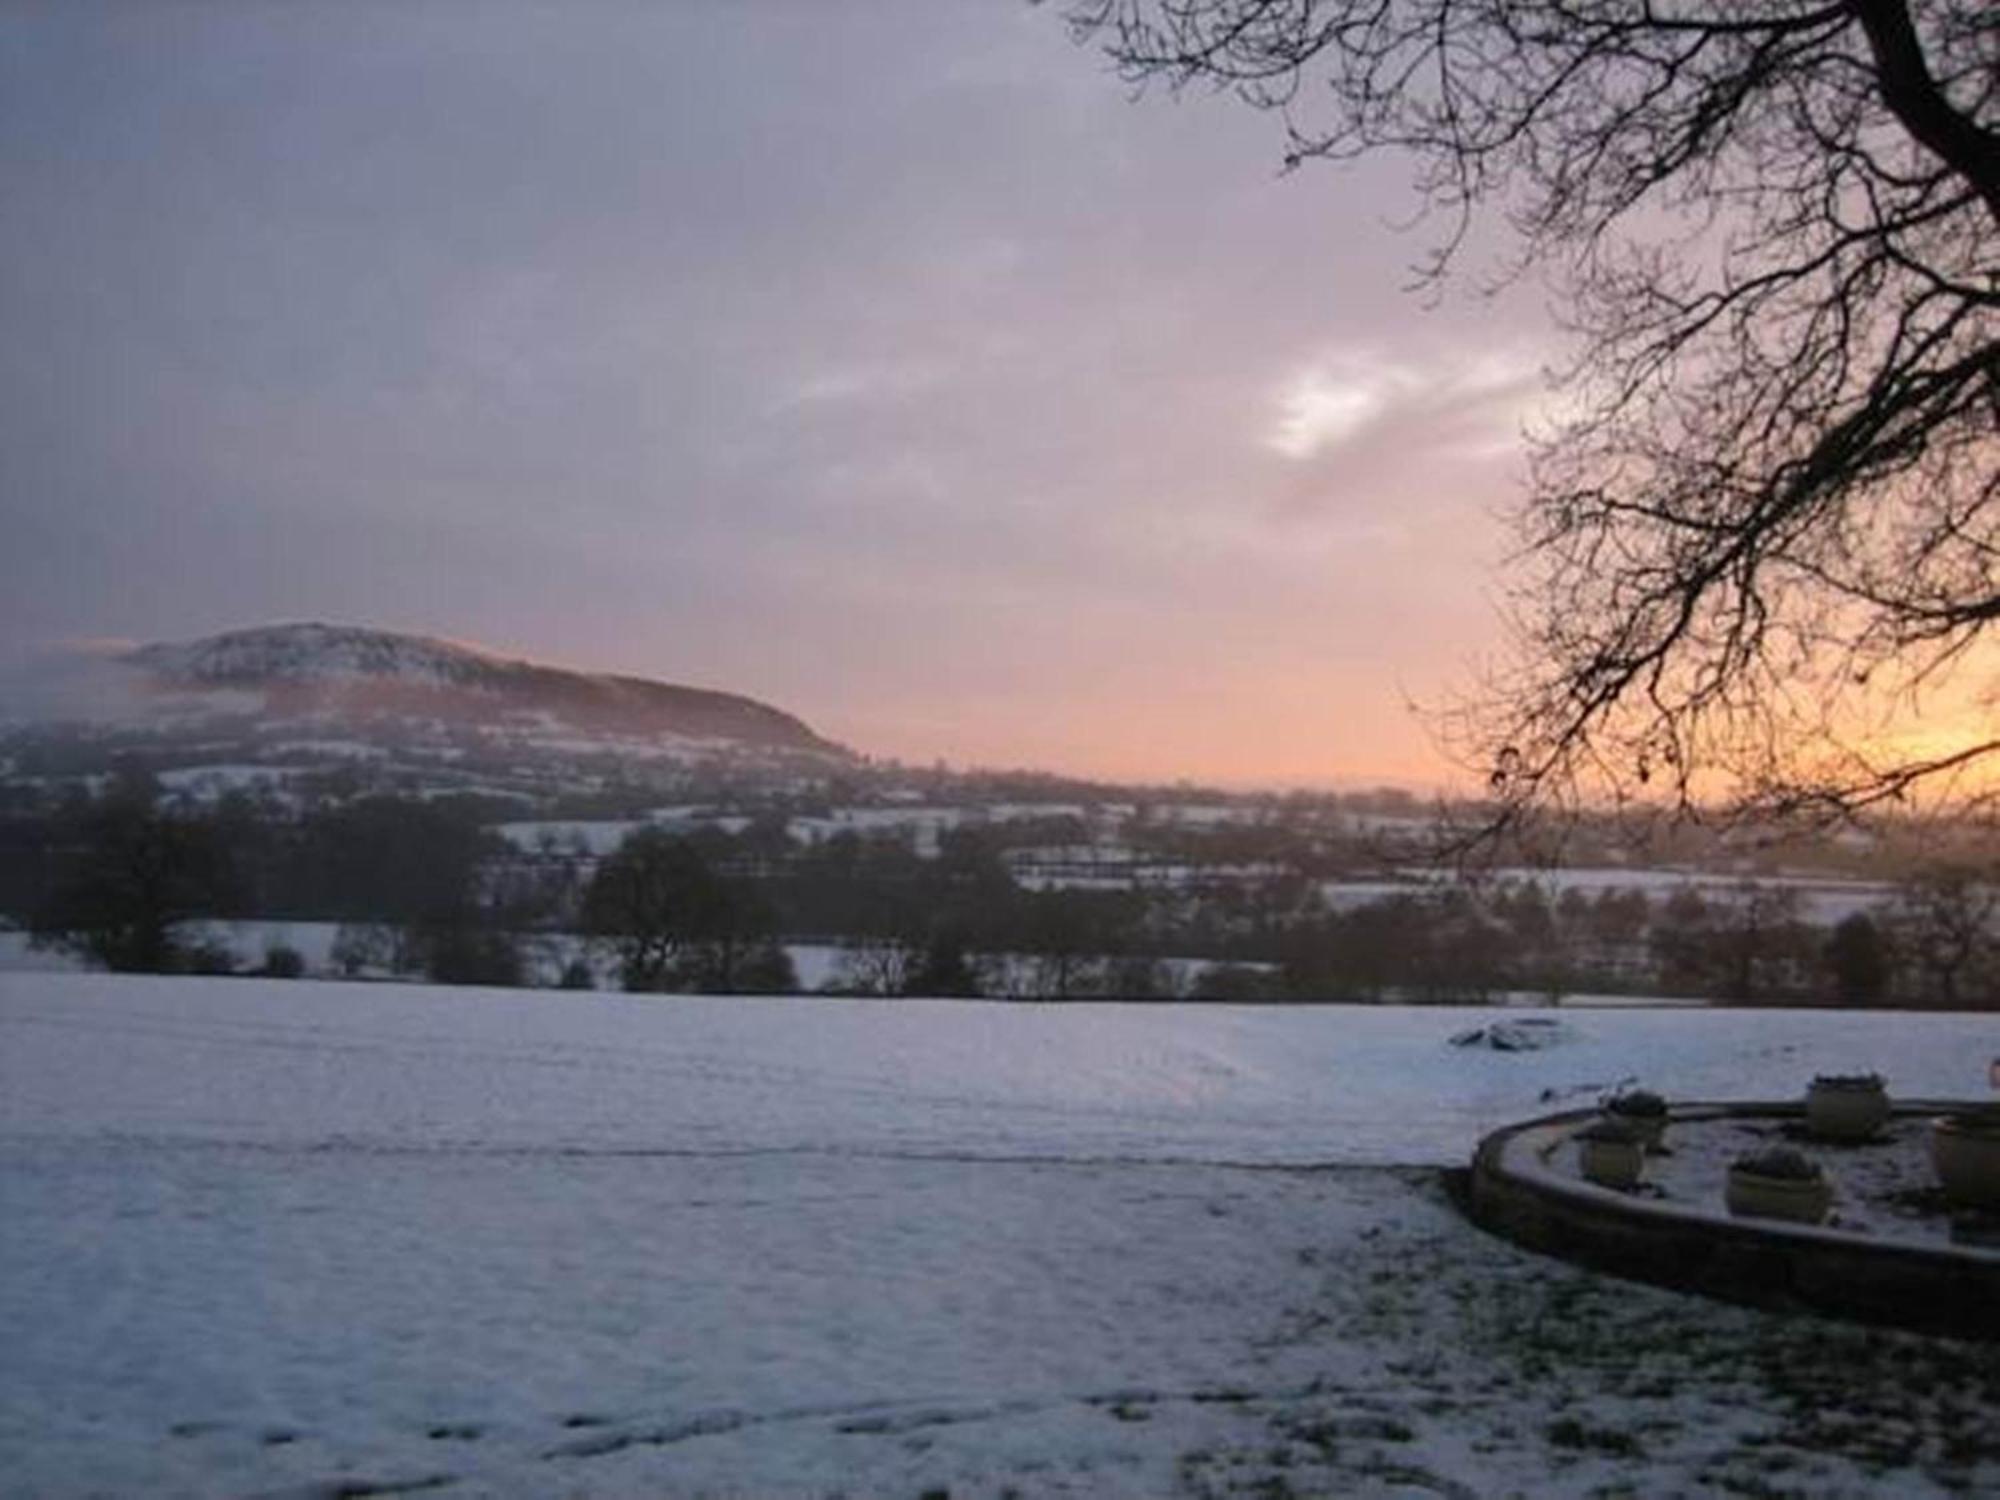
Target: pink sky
887	362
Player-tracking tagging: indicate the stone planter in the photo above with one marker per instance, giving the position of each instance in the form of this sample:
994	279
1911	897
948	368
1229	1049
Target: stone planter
1647	1125
1802	1200
1846	1109
1965	1153
1610	1158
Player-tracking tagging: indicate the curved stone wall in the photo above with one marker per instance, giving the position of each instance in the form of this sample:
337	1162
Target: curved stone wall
1514	1191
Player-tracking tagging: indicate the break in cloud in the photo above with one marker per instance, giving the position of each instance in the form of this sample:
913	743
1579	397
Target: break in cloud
1478	405
886	361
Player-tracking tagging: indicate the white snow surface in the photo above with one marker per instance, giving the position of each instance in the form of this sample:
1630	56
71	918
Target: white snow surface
18	952
597	836
415	1067
311	651
265	1237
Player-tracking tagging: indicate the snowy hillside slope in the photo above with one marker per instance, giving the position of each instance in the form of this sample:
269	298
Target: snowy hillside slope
380	710
318	668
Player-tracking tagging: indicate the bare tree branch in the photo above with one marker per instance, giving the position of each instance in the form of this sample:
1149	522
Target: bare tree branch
1762	553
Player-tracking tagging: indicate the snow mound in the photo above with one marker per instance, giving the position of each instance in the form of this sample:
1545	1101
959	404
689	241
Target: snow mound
1529	1034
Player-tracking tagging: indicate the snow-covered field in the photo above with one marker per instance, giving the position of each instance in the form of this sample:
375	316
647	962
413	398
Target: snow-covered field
262	1237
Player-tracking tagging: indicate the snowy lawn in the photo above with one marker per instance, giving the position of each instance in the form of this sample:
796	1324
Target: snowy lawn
260	1237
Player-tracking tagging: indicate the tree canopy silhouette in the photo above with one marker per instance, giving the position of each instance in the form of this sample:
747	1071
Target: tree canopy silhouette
1761	538
134	875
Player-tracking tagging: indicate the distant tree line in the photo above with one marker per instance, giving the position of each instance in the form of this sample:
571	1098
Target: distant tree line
126	878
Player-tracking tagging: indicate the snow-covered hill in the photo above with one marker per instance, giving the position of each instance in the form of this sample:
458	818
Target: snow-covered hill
313	652
415	711
330	668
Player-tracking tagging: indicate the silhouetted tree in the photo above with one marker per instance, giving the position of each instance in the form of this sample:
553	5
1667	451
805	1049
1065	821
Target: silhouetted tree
134	875
282	961
1539	956
1067	936
389	859
1363	954
1612	931
1947	920
1768	513
742	960
361	947
883	965
1857	960
649	899
1138	976
467	947
1468	955
1763	947
947	971
675	924
1749	944
1234	982
1682	939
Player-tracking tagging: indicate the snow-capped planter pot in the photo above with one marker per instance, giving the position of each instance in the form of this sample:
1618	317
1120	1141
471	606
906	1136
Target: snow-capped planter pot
1642	1111
1780	1184
1965	1154
1611	1154
1846	1106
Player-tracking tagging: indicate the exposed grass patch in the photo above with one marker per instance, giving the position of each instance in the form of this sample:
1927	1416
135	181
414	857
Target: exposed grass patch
1568	1432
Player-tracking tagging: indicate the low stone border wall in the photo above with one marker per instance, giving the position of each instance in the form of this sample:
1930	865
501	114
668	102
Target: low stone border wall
1931	1289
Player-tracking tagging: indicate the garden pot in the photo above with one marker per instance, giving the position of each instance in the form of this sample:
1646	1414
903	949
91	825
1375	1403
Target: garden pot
1802	1200
1845	1111
1611	1163
1649	1130
1965	1153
